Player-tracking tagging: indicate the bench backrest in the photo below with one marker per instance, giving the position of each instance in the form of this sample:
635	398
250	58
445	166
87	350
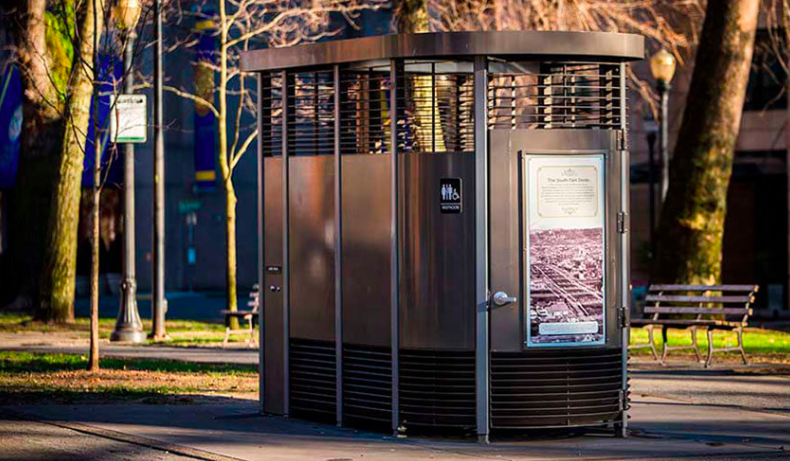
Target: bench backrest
703	301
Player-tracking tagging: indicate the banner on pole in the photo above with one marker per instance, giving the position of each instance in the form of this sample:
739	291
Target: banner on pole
10	125
205	122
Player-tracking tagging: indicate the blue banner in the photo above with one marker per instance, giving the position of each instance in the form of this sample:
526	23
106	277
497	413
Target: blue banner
10	125
205	126
110	74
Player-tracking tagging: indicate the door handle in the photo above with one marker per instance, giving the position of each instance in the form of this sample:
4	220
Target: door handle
502	299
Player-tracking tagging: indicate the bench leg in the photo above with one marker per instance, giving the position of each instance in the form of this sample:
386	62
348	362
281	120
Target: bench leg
710	348
252	333
740	346
652	342
694	343
227	336
663	360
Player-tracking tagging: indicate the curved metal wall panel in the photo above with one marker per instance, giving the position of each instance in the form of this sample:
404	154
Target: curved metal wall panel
273	281
366	249
437	309
312	247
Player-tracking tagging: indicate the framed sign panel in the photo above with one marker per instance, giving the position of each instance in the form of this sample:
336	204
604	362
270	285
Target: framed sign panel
564	249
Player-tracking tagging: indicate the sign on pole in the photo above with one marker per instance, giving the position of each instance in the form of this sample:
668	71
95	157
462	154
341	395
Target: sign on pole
129	121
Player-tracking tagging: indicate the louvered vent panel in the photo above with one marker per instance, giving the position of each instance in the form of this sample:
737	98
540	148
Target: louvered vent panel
312	372
558	96
437	388
364	108
437	109
367	384
311	116
271	106
555	387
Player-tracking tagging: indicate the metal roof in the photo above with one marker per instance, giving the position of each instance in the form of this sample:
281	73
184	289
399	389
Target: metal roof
605	46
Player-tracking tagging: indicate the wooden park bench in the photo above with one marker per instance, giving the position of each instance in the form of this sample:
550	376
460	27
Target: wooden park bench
696	307
248	316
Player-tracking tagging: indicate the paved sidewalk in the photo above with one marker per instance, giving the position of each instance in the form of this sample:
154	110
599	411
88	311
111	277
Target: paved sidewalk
662	430
72	344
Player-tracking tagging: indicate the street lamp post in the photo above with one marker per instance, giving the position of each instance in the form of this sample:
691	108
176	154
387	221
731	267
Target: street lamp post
662	66
158	301
128	326
652	129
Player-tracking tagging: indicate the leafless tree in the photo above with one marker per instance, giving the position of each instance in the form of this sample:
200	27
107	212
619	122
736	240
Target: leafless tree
239	25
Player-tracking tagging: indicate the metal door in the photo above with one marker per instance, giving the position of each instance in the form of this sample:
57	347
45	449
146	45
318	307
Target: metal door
564	273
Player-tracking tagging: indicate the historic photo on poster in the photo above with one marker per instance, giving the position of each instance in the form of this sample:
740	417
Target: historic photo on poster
565	250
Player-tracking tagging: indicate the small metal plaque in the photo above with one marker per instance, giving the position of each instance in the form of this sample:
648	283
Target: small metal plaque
273	269
451	201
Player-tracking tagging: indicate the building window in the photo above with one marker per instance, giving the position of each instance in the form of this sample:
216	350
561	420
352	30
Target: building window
767	79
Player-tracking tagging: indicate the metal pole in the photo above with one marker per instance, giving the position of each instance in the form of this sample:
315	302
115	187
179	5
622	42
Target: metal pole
395	70
336	85
158	300
651	175
663	92
128	326
261	269
625	252
481	247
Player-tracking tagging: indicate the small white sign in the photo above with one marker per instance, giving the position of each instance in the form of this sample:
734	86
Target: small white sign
129	122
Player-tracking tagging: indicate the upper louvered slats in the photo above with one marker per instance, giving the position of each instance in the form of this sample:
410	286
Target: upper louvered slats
558	96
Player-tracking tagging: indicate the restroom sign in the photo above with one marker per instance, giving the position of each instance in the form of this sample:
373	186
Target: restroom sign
450	194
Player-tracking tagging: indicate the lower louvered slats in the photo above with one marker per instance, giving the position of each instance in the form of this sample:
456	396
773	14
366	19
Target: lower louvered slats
437	388
549	388
312	384
367	384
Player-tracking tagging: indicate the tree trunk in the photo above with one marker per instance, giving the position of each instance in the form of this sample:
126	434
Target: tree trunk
57	279
226	169
40	135
692	220
93	356
411	16
230	227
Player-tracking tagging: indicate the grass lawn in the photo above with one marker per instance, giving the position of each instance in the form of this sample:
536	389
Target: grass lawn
756	341
180	332
61	378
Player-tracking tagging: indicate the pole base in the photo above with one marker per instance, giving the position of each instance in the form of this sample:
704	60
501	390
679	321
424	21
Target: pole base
127	334
128	327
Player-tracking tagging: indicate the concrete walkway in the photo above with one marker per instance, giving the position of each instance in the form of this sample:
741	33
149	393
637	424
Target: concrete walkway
662	429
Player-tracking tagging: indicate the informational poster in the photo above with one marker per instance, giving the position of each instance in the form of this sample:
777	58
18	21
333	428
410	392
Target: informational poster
129	118
565	250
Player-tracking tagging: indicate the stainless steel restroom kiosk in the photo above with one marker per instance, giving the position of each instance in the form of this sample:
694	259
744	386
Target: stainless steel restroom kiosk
444	230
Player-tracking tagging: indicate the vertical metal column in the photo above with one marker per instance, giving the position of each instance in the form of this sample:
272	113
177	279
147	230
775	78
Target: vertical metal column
158	301
286	89
625	246
481	247
261	270
394	248
338	256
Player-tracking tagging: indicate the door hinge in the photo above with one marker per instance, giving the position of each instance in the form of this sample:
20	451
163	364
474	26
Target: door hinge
623	222
620	140
622	317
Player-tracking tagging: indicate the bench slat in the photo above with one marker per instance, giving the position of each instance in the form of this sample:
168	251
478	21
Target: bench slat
699	299
703	288
698	310
718	323
237	313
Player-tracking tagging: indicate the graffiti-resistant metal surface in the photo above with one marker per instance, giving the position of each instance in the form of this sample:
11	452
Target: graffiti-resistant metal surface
445	230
